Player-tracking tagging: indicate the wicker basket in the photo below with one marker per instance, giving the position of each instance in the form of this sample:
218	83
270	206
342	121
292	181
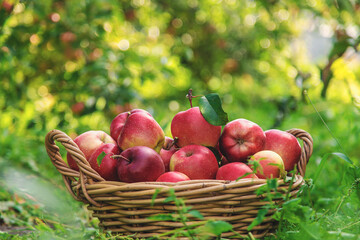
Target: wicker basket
125	208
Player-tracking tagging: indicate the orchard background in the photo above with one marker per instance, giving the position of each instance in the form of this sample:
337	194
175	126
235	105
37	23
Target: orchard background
74	65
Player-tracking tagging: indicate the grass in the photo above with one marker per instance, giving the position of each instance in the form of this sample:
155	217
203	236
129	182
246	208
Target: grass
34	200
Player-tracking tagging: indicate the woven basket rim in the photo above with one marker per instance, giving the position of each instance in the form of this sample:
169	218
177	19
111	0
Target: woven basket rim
87	175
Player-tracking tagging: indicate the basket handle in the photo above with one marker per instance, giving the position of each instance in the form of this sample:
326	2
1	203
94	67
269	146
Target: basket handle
306	150
85	173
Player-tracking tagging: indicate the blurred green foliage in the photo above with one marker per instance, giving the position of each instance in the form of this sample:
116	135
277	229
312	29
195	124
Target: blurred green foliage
74	65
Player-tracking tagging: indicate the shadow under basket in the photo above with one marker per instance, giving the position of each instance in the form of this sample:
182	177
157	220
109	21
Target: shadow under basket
125	207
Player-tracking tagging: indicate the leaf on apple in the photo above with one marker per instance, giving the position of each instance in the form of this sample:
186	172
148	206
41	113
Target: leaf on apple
216	153
100	158
211	109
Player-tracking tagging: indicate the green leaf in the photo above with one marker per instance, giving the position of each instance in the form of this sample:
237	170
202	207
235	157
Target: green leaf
211	109
154	196
343	157
216	153
324	161
259	218
162	217
272	183
244	176
197	214
100	158
339	48
171	197
255	165
217	227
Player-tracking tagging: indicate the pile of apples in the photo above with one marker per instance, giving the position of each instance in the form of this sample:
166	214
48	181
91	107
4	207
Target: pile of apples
137	149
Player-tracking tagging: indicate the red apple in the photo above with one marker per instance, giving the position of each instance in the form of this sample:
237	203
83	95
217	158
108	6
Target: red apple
108	166
78	108
270	164
139	164
88	142
8	6
286	145
240	139
233	171
195	161
118	122
172	177
191	128
168	149
137	128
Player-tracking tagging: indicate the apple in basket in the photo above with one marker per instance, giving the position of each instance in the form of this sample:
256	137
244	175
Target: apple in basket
139	164
106	166
267	164
240	139
235	170
191	128
168	149
286	145
172	177
88	142
195	161
137	128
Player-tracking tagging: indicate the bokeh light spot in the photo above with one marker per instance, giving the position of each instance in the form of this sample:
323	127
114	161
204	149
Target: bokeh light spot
107	27
123	45
34	39
174	106
283	15
100	103
177	23
84	43
43	91
292	72
214	83
265	43
154	32
326	31
250	20
20	7
186	39
55	17
264	66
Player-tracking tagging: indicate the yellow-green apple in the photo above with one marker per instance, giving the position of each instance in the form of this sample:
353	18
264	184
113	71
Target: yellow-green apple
190	127
195	161
172	177
139	164
168	149
270	164
108	166
88	142
286	145
240	139
137	128
235	170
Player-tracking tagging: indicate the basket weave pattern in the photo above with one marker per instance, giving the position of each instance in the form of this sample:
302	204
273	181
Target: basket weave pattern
125	207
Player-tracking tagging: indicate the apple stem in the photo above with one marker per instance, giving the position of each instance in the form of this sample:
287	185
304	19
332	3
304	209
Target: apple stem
120	156
190	96
176	139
